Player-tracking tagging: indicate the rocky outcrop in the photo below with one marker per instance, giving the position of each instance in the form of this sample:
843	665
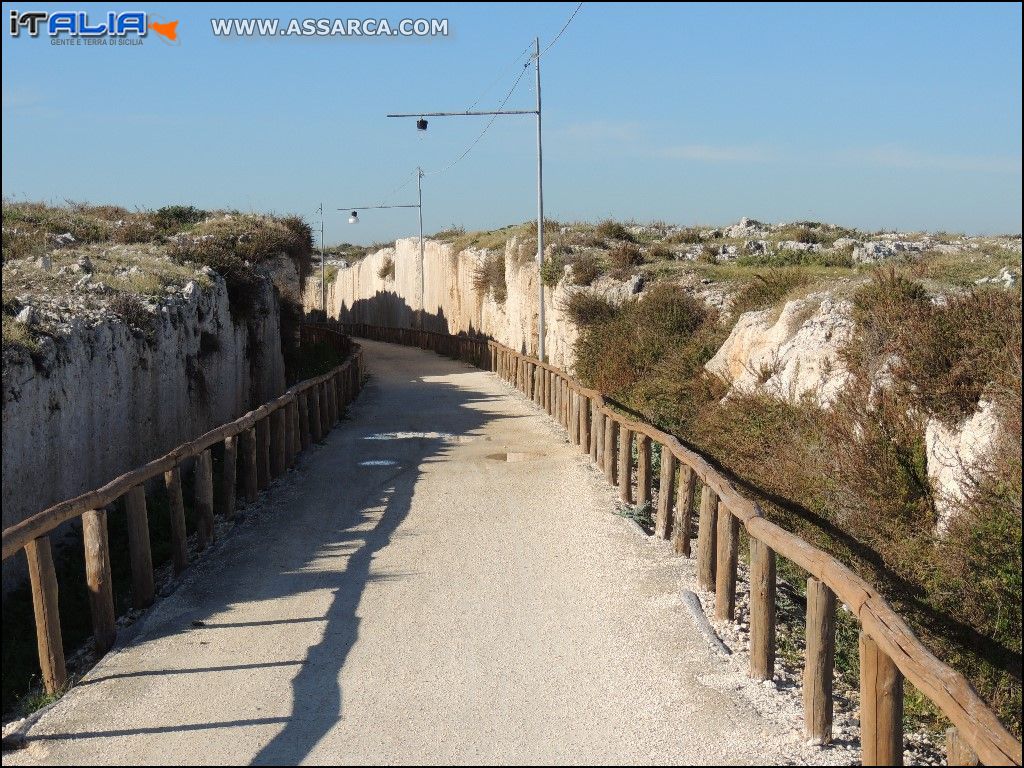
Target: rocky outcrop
957	456
790	354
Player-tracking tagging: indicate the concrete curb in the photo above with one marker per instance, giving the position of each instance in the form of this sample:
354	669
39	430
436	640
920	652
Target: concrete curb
692	602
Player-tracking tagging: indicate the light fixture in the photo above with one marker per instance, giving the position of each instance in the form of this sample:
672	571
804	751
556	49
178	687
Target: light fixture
354	218
421	124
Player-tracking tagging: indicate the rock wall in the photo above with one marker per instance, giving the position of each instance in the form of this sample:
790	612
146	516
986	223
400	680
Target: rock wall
104	398
452	303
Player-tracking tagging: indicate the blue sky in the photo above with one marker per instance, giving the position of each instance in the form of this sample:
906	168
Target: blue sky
876	116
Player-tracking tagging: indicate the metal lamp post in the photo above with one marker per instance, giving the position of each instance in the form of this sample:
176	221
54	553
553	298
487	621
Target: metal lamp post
421	125
354	219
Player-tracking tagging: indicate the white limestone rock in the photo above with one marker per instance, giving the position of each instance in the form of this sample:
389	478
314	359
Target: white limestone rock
790	354
956	455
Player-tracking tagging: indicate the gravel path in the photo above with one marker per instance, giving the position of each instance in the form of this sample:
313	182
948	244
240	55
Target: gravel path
441	581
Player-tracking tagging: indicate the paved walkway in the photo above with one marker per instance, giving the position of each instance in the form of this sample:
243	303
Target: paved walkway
408	594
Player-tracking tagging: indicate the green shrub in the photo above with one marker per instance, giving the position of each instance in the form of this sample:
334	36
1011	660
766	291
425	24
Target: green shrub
624	256
553	268
584	308
788	257
257	238
614	353
387	269
585	269
947	356
241	279
489	276
175	218
613	230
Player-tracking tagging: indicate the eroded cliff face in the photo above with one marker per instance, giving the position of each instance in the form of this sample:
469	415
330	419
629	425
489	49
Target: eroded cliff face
795	354
790	354
104	397
452	303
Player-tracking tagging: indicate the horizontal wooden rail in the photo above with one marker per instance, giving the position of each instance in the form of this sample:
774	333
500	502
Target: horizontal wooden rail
976	730
268	437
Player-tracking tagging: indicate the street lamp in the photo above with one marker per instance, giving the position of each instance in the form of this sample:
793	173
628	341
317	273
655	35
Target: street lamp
354	219
421	125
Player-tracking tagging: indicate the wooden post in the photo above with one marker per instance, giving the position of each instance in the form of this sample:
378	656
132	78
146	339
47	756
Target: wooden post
316	423
289	434
263	453
610	428
325	408
726	561
98	580
339	395
881	706
958	751
596	435
684	511
139	552
304	435
585	423
643	469
229	477
663	522
47	614
179	536
819	662
204	496
706	538
626	465
249	480
574	418
277	442
762	610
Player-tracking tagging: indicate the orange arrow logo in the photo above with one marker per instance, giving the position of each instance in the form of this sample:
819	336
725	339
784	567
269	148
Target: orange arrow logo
168	30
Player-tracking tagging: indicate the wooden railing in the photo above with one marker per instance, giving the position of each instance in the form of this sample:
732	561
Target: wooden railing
889	651
472	349
267	439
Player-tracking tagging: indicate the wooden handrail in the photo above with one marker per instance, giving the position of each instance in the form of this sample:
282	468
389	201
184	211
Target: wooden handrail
272	435
18	535
976	724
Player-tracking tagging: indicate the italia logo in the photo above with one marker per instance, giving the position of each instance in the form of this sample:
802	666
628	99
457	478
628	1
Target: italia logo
80	24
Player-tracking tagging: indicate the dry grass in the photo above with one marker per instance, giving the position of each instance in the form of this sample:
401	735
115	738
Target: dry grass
769	287
387	269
